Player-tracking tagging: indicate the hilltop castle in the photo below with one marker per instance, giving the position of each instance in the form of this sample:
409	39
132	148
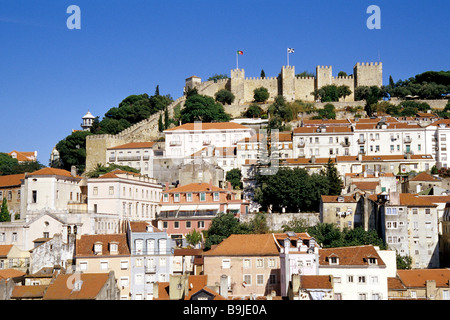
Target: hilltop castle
287	84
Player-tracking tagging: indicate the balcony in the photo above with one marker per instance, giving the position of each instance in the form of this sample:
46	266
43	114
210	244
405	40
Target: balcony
150	269
206	142
345	143
112	159
361	141
407	139
175	143
301	144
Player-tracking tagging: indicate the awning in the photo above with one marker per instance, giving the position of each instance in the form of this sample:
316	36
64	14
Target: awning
234	206
169	208
188	207
208	207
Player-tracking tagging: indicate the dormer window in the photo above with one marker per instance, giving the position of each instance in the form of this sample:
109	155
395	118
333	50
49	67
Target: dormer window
333	260
372	261
113	247
98	248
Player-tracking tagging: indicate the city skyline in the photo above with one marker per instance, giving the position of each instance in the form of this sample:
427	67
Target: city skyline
51	75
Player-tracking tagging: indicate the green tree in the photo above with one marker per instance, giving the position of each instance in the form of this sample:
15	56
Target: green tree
160	123
234	177
253	111
335	182
222	226
342	74
305	74
261	94
344	91
166	118
258	224
72	151
327	235
10	165
328	112
403	262
224	96
102	169
194	237
4	212
263	74
202	108
216	77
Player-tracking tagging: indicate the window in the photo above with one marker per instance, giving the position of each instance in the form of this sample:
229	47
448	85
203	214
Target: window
391	225
104	265
83	265
162	262
124	264
391	211
188	224
150	246
260	263
333	260
176	224
124	282
427	211
162	246
34	196
226	263
189	197
415	210
111	190
201	224
139	246
362	296
362	279
247	279
95	191
165	197
259	279
176	197
271	263
247	263
138	279
202	196
350	279
216	196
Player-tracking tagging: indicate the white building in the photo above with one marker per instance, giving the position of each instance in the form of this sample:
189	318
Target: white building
358	273
130	196
137	155
185	140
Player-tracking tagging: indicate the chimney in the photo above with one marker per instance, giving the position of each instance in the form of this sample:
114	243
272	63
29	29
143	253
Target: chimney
167	186
223	289
73	171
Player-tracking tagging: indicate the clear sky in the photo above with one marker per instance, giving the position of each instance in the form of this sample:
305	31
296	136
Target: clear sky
50	76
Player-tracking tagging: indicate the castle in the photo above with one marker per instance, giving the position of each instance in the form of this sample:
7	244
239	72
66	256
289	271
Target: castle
287	84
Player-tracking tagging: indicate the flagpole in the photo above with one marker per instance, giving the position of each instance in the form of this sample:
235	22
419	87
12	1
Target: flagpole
237	59
287	53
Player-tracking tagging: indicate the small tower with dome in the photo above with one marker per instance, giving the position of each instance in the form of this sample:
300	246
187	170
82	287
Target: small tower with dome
88	120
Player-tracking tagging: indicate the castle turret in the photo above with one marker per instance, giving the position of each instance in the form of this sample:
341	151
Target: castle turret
288	82
237	86
368	74
323	76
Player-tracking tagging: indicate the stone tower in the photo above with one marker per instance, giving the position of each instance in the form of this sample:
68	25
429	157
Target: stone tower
323	76
237	85
368	74
288	82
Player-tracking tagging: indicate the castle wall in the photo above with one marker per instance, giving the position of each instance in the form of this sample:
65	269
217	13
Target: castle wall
368	74
303	88
345	81
250	84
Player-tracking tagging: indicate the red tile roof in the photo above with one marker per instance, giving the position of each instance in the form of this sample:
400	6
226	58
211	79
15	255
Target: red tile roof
423	176
350	256
412	200
209	126
4	249
315	282
28	292
418	277
23	156
12	180
90	288
195	187
246	245
332	199
11	273
85	245
51	172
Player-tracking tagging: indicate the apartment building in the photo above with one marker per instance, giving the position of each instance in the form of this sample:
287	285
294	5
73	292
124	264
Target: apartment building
151	258
124	194
409	225
193	206
185	140
102	253
10	188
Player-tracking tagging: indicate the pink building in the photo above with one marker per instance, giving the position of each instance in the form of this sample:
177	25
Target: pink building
193	206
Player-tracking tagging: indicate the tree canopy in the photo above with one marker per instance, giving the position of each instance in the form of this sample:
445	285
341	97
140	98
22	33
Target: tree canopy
331	93
426	85
10	165
72	151
202	108
261	94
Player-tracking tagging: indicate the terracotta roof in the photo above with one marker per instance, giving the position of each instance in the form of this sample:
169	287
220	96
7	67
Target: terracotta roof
317	122
114	174
417	277
51	172
246	245
329	129
23	156
195	187
306	160
413	200
134	145
141	226
11	180
332	199
85	245
423	176
436	199
395	284
11	273
4	249
187	252
90	288
28	292
315	282
209	126
350	256
366	185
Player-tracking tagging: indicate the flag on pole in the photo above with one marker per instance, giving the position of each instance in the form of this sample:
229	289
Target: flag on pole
290	50
240	52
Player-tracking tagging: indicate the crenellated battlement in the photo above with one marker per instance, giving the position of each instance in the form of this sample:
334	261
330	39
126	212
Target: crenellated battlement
368	64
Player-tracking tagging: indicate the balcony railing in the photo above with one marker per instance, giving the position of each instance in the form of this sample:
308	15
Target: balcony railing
361	141
407	139
345	143
175	143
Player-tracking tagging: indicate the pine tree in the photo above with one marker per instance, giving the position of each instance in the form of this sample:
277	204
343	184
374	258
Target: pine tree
166	118
263	74
334	180
160	123
157	90
4	213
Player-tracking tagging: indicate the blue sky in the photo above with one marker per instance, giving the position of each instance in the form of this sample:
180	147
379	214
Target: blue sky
50	75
